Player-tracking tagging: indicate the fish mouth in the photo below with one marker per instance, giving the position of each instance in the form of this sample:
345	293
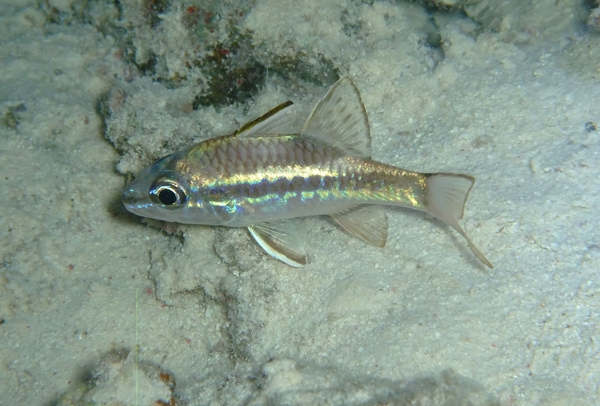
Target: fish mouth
131	197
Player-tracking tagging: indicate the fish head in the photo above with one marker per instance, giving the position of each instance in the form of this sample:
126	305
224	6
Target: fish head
162	193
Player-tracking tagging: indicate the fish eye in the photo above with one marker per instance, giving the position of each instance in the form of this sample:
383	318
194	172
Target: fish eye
168	193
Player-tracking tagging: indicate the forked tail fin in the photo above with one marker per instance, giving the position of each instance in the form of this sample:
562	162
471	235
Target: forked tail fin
446	197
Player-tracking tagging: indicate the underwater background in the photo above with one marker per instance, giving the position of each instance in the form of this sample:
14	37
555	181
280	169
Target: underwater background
101	307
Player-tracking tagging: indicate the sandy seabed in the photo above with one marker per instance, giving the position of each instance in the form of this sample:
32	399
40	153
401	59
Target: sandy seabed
98	307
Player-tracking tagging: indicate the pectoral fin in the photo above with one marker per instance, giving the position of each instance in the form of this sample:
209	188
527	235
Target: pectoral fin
279	240
369	223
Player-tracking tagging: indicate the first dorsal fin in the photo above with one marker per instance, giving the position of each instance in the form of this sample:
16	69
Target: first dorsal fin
340	119
278	120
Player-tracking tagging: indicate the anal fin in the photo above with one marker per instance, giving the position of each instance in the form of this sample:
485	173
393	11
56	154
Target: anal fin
279	240
369	223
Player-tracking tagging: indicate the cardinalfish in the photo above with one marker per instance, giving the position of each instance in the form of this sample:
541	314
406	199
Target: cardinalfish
264	174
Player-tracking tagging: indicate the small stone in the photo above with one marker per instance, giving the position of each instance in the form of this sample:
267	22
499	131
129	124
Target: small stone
593	21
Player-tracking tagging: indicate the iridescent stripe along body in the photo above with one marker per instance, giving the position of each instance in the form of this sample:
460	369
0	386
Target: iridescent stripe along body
265	174
251	180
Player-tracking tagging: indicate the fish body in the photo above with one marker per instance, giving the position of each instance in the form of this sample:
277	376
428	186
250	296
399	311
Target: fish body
261	176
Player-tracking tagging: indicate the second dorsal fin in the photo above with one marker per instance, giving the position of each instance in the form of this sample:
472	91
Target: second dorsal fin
340	119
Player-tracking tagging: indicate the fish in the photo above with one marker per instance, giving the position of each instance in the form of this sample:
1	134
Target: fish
264	175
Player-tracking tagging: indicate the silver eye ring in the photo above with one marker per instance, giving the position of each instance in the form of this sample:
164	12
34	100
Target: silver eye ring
168	193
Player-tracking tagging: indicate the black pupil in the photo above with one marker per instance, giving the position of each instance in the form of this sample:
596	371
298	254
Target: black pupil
167	197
